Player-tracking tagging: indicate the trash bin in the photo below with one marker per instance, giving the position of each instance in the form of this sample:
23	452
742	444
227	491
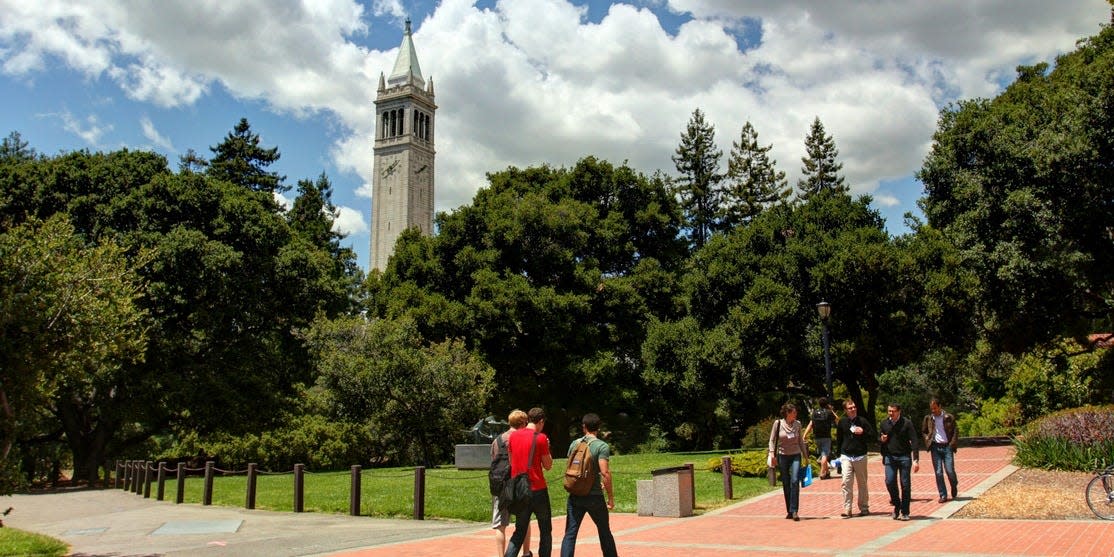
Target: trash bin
673	491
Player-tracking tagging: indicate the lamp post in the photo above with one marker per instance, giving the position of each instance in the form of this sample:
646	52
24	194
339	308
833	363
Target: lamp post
825	311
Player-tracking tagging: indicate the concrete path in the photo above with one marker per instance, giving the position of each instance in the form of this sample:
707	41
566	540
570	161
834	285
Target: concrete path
119	524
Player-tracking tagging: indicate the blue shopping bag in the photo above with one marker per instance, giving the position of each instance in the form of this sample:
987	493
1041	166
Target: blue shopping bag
807	481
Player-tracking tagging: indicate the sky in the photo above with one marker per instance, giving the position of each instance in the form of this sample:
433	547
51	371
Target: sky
520	82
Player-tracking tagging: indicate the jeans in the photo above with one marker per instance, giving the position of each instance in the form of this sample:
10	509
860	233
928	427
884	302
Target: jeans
898	468
943	462
539	507
790	466
596	507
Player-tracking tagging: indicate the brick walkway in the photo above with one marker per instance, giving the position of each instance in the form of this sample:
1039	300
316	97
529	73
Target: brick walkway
757	526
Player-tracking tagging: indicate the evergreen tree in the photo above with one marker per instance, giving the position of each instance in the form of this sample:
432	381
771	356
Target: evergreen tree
697	162
192	162
240	160
753	181
14	148
820	170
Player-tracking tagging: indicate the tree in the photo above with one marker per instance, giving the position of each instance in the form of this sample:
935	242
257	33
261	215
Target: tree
1022	185
753	181
14	148
240	160
698	186
70	325
383	372
192	162
550	275
820	172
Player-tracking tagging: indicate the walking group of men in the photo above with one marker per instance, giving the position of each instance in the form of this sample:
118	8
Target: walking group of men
524	438
899	442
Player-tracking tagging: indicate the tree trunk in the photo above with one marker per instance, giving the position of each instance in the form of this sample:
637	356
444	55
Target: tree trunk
87	437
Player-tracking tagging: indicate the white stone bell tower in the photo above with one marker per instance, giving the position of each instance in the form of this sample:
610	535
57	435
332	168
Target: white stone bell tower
402	187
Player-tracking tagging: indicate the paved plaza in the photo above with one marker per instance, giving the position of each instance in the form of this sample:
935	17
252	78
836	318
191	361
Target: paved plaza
118	524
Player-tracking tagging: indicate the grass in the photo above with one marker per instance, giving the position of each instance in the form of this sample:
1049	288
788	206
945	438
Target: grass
18	542
451	493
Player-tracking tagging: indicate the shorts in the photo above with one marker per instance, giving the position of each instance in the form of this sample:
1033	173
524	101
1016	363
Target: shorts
824	447
500	518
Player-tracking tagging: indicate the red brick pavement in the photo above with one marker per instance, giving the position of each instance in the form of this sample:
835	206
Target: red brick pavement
758	526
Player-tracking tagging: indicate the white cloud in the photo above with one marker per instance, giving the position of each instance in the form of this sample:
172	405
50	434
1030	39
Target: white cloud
153	134
350	221
89	130
533	81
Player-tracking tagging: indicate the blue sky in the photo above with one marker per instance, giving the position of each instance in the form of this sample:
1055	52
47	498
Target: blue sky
519	82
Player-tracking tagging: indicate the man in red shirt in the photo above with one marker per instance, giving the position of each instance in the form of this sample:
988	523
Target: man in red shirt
519	444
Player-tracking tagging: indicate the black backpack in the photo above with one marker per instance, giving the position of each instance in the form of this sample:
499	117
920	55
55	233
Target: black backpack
500	470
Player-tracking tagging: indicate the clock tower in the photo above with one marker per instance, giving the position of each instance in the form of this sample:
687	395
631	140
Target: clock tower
402	185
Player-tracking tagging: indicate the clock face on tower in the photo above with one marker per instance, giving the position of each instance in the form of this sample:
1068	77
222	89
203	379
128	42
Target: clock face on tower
390	168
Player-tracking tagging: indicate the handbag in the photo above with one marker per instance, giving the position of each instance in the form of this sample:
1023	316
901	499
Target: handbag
771	471
516	493
807	480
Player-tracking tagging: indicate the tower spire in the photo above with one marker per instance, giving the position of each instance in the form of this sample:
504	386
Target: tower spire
406	68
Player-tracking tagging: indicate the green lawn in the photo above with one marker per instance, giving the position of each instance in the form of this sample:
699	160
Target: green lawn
27	544
451	493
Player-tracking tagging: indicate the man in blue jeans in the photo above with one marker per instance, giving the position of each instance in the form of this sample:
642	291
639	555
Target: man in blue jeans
941	439
899	454
519	445
593	502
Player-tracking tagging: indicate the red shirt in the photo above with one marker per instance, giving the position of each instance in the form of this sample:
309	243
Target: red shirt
520	449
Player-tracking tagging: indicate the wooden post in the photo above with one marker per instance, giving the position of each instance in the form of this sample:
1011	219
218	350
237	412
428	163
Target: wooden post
692	480
181	495
728	487
207	496
139	477
419	493
160	493
147	479
249	502
119	480
127	475
354	493
299	487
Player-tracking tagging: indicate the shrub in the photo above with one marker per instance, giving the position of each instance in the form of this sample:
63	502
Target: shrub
758	435
745	464
1073	439
995	417
656	442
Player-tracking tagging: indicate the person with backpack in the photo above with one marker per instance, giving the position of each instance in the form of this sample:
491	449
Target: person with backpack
587	477
530	454
498	476
820	425
898	437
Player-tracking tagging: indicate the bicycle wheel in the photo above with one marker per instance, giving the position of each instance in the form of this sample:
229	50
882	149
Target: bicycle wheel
1100	496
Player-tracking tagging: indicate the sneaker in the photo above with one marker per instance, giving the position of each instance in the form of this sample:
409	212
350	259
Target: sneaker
904	517
845	514
864	513
896	514
943	499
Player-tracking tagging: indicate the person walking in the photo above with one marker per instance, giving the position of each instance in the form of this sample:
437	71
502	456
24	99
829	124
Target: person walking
899	455
520	442
788	447
852	433
820	425
593	503
500	516
941	440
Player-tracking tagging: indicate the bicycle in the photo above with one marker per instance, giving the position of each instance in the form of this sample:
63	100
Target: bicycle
1100	494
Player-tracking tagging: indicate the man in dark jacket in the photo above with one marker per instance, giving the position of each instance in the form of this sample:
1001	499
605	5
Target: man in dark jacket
941	441
899	455
851	437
